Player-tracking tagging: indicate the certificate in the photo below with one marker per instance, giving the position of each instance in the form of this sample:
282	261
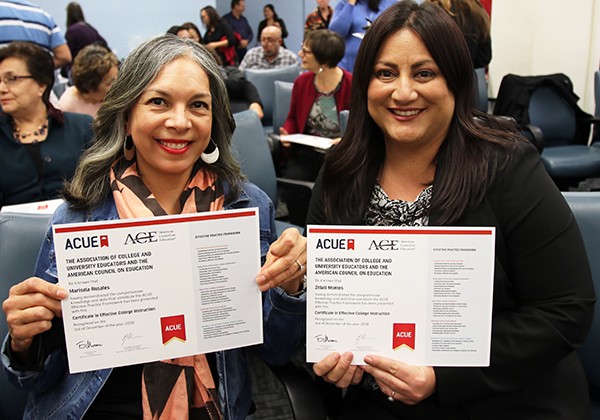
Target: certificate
143	290
323	143
420	295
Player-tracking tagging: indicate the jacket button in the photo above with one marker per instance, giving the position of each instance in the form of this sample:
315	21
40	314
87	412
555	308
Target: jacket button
47	159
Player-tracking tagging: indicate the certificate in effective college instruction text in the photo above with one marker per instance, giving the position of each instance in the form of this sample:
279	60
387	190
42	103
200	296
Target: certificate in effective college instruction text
421	295
143	290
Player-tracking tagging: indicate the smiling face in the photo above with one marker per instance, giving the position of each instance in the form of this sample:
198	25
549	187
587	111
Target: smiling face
171	122
24	93
408	97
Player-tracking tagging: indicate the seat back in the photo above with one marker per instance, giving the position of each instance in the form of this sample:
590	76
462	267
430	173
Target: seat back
281	103
264	80
553	115
252	151
586	208
21	235
344	114
481	90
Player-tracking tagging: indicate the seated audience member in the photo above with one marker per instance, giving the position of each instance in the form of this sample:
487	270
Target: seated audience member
219	36
174	30
319	18
416	153
79	34
94	71
318	96
39	145
474	22
270	54
162	146
192	30
272	19
242	93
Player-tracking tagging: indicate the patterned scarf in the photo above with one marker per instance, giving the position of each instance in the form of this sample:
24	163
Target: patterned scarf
181	388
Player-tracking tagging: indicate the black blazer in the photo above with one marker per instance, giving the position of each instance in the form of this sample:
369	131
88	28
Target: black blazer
542	307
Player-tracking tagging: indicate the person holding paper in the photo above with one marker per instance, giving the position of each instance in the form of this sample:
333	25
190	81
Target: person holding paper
318	96
162	146
416	152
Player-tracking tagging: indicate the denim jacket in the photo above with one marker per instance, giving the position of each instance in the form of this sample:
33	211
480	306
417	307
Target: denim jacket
56	394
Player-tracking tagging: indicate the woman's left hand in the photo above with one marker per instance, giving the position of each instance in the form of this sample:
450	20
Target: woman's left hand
402	382
285	265
256	107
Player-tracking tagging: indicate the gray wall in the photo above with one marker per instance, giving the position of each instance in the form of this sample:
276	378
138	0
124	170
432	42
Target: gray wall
126	23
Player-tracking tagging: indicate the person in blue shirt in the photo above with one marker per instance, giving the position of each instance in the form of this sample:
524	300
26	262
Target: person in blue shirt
351	18
25	21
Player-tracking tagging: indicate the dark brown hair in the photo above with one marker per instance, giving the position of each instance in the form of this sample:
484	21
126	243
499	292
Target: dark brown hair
327	46
466	158
39	63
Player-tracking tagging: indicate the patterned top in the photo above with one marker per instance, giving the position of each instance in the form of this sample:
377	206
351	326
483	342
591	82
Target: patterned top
315	20
323	119
383	211
255	59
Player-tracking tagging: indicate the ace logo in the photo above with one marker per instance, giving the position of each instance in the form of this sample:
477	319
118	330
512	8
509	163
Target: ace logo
141	238
404	335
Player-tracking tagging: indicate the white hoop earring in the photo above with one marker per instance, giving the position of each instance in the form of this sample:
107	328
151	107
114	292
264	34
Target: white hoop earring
210	157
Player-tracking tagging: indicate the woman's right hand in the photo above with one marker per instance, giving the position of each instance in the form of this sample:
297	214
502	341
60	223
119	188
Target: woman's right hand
30	307
338	369
283	132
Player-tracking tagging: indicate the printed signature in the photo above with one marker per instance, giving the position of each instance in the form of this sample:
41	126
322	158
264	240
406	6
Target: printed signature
127	337
322	338
362	337
87	344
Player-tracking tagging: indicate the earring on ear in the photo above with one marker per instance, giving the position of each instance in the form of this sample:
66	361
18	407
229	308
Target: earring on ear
320	69
128	148
210	156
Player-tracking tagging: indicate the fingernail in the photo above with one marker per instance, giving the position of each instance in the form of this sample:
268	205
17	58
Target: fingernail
348	357
260	279
61	293
368	359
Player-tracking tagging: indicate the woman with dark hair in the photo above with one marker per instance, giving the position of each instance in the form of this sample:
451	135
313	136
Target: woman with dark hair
193	31
80	33
272	19
474	22
162	146
415	152
219	36
39	145
351	18
318	95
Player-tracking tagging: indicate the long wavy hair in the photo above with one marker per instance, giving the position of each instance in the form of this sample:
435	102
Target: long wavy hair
90	185
476	147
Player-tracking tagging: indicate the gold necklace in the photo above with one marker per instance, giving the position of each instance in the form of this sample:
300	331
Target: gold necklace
40	131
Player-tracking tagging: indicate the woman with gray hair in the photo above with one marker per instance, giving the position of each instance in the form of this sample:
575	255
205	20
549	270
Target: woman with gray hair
163	140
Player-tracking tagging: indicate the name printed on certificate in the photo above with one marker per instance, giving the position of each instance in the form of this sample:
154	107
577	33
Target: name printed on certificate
420	295
143	290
